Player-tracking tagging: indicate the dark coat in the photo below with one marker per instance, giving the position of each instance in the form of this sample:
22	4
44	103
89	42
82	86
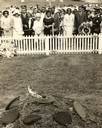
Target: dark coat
26	28
56	24
79	19
30	27
25	20
96	24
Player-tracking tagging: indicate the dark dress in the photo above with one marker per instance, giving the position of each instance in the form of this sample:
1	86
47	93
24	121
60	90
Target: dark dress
47	22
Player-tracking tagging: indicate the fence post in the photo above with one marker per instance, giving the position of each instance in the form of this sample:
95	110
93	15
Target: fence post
100	44
47	45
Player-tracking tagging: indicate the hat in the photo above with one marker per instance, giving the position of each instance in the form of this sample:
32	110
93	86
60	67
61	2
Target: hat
29	11
38	15
97	8
35	7
24	6
57	9
69	8
16	12
89	9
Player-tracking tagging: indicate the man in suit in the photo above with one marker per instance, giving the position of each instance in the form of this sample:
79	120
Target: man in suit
96	21
25	19
56	21
80	17
31	20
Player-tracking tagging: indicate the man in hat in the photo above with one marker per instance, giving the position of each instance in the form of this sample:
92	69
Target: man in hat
80	17
30	24
96	21
25	19
43	12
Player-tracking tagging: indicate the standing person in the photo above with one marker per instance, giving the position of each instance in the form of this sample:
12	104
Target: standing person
43	12
80	17
101	19
17	24
68	22
30	24
6	24
62	14
56	21
35	10
25	19
38	25
48	24
96	21
1	30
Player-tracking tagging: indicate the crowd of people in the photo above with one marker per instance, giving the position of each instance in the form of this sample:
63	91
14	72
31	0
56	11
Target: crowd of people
46	20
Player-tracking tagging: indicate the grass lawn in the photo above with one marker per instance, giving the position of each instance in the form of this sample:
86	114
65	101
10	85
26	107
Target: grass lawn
76	77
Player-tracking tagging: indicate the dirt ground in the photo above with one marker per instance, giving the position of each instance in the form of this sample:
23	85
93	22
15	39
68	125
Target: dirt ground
66	77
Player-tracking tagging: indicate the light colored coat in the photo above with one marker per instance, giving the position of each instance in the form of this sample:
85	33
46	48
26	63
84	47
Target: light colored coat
17	27
38	27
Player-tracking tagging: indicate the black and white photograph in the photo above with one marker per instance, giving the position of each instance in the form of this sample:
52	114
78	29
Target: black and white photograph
50	63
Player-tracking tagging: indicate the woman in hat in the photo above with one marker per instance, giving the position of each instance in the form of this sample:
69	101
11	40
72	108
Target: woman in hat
69	23
17	24
6	24
38	25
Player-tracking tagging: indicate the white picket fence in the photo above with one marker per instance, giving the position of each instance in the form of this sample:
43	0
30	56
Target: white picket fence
57	44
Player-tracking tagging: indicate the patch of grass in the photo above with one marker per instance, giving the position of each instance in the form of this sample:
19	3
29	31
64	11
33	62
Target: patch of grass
78	77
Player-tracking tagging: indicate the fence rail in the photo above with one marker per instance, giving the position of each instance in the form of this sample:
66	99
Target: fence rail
56	44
